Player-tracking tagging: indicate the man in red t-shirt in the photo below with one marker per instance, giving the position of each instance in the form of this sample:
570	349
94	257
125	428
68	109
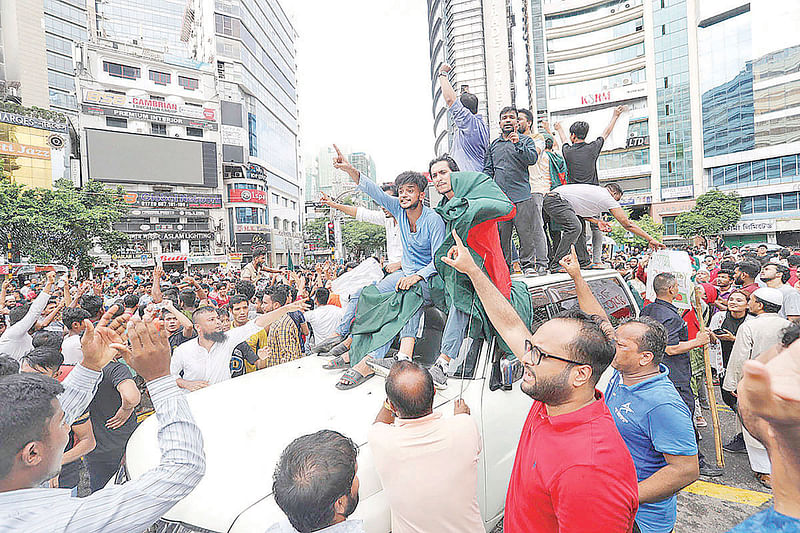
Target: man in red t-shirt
572	471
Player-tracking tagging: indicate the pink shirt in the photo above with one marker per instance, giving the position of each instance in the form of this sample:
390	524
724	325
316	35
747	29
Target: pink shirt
429	470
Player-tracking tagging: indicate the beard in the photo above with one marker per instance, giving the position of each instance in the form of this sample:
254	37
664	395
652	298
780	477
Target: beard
553	390
216	336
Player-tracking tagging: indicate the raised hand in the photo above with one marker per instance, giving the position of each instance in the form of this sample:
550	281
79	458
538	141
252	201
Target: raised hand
101	344
341	163
148	353
513	137
459	257
445	68
570	263
325	199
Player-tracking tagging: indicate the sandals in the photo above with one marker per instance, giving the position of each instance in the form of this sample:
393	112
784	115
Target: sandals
336	364
352	379
764	479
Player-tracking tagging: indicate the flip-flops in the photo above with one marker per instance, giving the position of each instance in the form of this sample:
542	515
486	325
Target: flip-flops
352	379
336	364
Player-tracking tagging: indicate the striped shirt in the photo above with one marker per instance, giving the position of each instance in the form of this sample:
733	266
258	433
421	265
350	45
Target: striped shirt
133	506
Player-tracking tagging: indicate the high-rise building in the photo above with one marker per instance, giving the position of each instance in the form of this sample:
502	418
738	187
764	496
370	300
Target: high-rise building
155	25
749	55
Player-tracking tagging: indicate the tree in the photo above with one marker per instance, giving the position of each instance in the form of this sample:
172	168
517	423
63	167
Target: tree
623	237
363	238
713	213
315	228
62	224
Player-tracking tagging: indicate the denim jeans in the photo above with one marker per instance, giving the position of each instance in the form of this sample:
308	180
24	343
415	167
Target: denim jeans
388	284
597	243
454	331
524	222
343	328
537	229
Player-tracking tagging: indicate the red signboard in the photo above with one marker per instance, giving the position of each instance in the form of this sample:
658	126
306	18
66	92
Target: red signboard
248	195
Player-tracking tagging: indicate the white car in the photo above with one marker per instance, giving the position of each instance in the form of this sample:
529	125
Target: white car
248	421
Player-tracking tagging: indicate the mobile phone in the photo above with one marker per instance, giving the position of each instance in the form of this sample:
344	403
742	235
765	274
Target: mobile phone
721	331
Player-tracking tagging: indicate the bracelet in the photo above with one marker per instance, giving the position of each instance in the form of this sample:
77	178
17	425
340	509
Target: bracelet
386	405
443	74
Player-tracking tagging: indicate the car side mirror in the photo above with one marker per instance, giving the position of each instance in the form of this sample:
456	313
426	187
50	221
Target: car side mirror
506	370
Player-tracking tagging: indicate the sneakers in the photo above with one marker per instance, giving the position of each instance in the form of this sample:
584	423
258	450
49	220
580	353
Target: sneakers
382	366
710	470
530	272
439	377
699	420
736	445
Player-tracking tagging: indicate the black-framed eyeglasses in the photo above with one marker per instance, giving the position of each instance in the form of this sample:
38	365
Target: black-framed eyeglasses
535	354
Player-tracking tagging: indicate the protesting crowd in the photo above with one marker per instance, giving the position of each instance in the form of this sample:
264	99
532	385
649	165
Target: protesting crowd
85	361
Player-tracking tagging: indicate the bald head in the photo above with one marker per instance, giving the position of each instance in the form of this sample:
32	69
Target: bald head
410	389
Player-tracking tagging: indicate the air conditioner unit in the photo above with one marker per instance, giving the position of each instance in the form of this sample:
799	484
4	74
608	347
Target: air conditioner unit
219	250
626	81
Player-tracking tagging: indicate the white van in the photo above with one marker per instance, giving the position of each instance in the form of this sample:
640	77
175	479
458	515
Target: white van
248	421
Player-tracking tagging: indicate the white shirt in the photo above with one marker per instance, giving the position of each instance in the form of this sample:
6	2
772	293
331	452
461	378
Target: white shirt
213	366
539	172
71	350
16	341
587	200
324	320
394	246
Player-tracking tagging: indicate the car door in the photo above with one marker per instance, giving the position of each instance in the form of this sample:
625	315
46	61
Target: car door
503	414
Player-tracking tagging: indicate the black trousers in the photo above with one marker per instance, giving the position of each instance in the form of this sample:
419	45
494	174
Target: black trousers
573	229
100	472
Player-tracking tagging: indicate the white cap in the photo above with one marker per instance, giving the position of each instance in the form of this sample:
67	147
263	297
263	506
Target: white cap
770	295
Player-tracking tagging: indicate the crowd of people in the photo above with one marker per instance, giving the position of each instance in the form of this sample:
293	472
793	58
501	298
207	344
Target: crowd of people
83	361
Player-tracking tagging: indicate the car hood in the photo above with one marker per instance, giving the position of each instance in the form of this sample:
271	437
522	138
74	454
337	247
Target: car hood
247	422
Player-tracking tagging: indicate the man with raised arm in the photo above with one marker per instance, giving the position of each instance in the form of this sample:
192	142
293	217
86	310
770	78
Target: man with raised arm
422	232
35	415
470	133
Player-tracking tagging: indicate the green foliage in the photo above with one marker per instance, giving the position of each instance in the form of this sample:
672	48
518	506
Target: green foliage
363	238
714	213
61	225
623	237
33	111
315	228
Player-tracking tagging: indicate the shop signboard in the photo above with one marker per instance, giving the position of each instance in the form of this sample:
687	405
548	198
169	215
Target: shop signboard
248	195
174	200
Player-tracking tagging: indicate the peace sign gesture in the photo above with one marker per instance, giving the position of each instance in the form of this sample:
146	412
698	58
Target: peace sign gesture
341	163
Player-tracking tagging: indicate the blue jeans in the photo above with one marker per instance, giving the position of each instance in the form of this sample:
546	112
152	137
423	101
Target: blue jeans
388	284
343	328
454	332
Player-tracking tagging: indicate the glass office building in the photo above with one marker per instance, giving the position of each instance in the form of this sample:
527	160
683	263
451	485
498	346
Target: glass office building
65	22
154	24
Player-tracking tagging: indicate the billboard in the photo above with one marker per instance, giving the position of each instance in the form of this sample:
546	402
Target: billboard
33	150
248	195
174	200
134	158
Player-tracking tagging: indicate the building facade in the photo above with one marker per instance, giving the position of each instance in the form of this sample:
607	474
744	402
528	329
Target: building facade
152	127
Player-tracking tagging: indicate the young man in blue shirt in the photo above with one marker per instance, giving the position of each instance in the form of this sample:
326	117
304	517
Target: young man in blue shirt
422	232
470	132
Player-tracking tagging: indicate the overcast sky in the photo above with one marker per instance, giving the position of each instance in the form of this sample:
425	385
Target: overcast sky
363	75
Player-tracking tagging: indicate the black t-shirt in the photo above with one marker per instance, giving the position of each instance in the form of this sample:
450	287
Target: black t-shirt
110	442
178	338
581	159
70	472
243	352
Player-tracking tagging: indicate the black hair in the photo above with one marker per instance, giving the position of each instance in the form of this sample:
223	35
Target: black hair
389	188
188	298
470	101
663	281
246	288
130	301
224	311
92	303
313	472
44	357
8	365
413	178
784	271
416	400
784	253
70	315
591	344
321	295
579	129
508	109
653	338
728	265
749	267
49	339
18	313
279	295
769	307
549	143
793	260
527	113
26	405
789	334
203	309
614	188
446	158
237	299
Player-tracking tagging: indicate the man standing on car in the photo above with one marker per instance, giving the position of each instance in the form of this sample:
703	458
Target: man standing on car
570	456
581	158
408	438
471	134
507	161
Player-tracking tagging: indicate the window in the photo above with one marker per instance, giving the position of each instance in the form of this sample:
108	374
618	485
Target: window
114	122
252	134
285	225
249	215
157	98
194	132
200	247
670	225
160	78
617	305
790	201
666	111
669	138
275	199
294	227
774	202
276	223
670	166
666	82
170	247
773	168
121	71
789	166
158	129
294	205
190	84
